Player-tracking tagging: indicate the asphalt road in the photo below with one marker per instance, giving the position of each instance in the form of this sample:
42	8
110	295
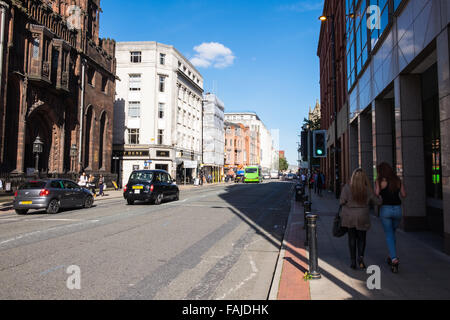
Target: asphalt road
216	243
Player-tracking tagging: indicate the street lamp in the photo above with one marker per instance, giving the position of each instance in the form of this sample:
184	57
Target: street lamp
333	60
38	147
73	155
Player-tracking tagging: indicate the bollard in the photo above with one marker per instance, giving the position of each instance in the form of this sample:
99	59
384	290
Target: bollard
313	253
306	211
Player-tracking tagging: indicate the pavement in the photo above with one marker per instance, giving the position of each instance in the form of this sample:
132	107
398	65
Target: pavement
423	273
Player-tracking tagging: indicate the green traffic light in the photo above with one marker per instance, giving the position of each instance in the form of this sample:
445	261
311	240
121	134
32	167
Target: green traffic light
319	152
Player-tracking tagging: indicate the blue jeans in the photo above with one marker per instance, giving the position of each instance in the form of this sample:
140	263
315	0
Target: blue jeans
391	216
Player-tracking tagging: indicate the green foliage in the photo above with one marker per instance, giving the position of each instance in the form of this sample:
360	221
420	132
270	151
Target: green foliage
284	165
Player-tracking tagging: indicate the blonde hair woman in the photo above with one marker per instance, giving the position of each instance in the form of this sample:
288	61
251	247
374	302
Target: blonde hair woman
356	198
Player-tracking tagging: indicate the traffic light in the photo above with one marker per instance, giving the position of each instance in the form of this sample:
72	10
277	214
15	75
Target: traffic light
319	144
304	146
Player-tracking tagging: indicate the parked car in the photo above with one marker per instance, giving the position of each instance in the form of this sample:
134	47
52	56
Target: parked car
290	176
274	174
150	185
51	195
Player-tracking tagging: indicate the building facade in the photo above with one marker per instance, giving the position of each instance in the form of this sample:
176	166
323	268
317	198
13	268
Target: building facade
329	96
260	138
159	108
398	83
58	83
213	137
237	146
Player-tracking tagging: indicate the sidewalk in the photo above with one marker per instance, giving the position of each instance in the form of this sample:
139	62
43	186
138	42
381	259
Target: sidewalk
423	273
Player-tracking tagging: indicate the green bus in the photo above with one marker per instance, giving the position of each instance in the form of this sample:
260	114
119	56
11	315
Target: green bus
253	174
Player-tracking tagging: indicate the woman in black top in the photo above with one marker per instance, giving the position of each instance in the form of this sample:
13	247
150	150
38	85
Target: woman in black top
389	187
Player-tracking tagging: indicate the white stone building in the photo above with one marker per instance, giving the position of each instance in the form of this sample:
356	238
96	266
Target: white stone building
158	111
264	155
213	136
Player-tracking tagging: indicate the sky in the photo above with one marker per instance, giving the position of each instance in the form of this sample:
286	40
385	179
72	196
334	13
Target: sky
256	55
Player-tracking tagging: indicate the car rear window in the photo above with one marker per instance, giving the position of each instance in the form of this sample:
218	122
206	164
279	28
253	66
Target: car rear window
34	185
147	176
251	170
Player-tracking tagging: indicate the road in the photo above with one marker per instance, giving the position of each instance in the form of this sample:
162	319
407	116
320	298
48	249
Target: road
220	242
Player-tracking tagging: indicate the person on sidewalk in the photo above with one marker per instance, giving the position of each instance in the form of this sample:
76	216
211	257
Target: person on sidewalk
355	199
91	184
389	187
320	182
82	182
101	185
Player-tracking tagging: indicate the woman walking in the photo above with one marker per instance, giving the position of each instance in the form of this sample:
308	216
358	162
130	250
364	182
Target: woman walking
389	187
355	200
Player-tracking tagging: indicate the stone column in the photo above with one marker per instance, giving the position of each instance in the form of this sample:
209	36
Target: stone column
443	60
365	143
410	149
382	130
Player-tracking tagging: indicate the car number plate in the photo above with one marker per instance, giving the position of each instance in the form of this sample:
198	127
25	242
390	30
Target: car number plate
137	191
138	187
26	202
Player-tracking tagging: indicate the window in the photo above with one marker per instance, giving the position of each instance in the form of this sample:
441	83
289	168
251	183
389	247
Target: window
384	7
162	58
136	56
104	83
134	109
161	111
56	185
135	82
133	136
90	76
36	44
162	82
160	137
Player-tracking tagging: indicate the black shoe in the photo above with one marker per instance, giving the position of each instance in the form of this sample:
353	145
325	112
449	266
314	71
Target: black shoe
361	263
394	266
353	265
389	261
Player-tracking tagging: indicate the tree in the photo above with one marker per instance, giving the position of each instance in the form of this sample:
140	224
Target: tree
284	165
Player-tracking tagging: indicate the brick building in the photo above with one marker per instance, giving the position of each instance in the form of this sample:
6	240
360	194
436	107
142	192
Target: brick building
237	146
58	83
334	8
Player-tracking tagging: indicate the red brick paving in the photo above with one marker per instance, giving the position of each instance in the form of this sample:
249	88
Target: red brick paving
292	285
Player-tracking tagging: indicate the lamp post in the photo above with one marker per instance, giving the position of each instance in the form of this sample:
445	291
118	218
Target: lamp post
38	147
333	61
73	155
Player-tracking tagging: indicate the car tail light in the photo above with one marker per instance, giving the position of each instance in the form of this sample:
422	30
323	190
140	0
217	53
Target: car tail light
125	189
44	193
16	193
152	187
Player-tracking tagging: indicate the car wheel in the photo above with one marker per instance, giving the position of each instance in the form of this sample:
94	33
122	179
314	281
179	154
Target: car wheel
21	211
130	202
88	202
177	196
53	206
159	199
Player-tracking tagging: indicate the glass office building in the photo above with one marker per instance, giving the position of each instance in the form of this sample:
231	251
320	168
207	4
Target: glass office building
398	98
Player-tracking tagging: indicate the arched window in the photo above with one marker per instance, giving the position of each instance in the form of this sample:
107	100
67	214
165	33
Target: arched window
87	137
102	138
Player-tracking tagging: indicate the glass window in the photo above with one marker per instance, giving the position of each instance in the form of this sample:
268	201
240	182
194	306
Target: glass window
136	56
162	81
143	176
162	58
33	185
161	111
135	82
56	185
133	136
160	137
134	109
36	44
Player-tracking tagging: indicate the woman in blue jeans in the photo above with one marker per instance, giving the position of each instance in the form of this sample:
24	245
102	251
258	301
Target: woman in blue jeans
390	188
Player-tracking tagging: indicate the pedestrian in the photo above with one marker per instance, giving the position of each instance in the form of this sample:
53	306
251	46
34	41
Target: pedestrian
101	185
82	182
355	200
315	182
390	188
320	182
91	184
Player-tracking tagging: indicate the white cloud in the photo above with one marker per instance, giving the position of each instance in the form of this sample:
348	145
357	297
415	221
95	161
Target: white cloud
212	54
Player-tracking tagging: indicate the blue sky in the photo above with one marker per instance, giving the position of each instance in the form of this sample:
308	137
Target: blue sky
262	57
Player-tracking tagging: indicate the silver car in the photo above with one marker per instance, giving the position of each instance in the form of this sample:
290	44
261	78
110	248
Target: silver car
51	195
